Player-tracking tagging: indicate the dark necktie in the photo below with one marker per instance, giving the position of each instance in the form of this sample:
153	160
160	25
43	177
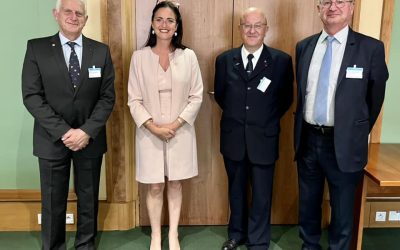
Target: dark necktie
74	68
249	67
321	97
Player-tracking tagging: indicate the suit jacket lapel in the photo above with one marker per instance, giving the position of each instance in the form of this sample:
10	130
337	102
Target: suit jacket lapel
238	63
265	61
306	61
87	54
348	54
60	60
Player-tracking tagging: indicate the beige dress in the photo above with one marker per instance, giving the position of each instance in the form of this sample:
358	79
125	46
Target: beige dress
165	91
163	96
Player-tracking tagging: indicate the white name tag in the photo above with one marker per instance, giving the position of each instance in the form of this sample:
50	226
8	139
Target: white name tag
264	83
354	72
94	72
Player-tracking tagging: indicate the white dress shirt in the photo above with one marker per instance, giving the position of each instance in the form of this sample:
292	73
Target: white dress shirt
67	49
338	47
256	55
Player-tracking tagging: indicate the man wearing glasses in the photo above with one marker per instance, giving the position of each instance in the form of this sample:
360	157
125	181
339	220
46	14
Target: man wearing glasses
341	76
254	88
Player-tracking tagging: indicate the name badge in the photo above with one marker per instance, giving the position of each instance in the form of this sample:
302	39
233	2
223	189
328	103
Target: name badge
264	83
94	72
354	72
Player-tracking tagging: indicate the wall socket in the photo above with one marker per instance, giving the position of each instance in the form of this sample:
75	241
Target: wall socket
380	216
394	215
69	219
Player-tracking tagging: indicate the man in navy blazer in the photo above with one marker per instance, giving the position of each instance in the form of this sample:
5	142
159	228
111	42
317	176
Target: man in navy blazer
254	88
341	76
69	90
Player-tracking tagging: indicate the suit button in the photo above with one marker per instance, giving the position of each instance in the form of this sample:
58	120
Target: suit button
247	107
248	88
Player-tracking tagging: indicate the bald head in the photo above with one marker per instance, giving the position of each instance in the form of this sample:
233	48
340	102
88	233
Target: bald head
251	11
253	28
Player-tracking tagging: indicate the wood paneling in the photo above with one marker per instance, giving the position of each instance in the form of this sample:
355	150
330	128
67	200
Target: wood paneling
117	31
27	195
22	216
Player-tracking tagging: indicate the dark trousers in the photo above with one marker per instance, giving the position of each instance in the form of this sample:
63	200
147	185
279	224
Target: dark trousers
54	181
250	224
317	162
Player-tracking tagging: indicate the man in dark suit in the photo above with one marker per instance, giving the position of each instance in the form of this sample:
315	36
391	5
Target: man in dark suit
68	87
254	88
341	76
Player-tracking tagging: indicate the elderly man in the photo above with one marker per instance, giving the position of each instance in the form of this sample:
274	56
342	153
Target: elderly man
68	87
254	88
341	76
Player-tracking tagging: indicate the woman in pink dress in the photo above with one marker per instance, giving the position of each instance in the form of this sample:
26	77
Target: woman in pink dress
164	95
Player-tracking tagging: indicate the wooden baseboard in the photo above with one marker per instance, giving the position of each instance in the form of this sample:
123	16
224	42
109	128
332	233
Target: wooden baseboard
27	195
23	215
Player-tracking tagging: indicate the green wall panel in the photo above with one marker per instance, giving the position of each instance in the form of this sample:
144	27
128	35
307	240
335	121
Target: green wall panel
391	113
21	20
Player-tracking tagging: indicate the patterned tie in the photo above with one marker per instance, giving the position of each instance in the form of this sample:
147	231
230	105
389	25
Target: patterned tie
249	66
74	68
321	97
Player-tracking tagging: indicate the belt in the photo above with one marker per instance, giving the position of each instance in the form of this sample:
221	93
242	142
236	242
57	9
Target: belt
320	129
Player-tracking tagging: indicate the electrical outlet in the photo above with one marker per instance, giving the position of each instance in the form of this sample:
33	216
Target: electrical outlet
69	219
394	215
380	216
39	218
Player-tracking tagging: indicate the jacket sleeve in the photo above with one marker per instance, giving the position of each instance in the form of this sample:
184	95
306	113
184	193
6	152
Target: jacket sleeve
105	103
195	98
135	97
219	80
286	88
377	83
34	97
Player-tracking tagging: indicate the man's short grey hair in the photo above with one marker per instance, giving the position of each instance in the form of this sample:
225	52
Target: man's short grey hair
253	10
58	4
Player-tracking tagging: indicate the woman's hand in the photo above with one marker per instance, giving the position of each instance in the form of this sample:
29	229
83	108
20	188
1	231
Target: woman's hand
164	133
175	125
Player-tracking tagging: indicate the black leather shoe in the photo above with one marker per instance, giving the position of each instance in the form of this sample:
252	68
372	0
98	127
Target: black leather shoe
231	244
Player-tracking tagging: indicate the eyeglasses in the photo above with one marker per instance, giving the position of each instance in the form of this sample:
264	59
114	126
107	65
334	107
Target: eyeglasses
167	21
339	3
257	26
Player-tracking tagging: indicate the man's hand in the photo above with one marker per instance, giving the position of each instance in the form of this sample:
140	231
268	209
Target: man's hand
75	139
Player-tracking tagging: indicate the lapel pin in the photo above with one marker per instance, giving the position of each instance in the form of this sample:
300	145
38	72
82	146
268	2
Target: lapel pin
53	45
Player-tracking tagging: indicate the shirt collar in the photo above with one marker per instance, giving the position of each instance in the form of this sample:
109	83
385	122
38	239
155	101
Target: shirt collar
256	53
340	36
64	40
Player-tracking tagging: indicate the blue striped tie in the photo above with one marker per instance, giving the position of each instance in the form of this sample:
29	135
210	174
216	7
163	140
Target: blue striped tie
321	97
74	68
